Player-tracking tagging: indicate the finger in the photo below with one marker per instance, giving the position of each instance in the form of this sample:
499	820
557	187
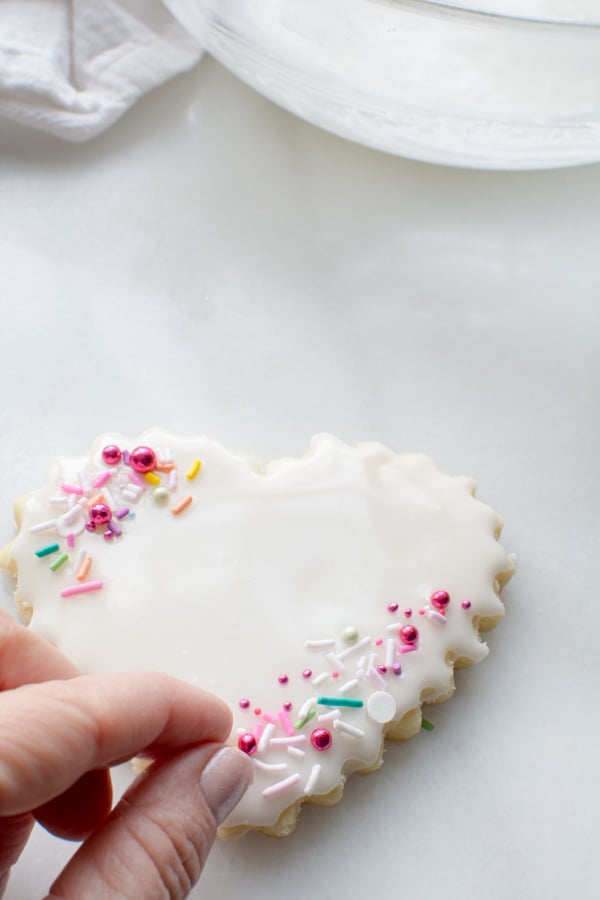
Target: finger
81	809
14	833
26	658
156	841
52	733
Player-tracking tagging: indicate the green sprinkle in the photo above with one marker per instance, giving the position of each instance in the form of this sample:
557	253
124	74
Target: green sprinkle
428	726
46	551
58	562
309	715
351	702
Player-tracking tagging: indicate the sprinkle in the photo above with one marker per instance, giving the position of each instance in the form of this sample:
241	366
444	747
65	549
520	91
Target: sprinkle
392	607
286	722
70	540
43	526
84	568
129	495
320	679
115	529
350	634
283	679
396	668
381	707
126	457
312	779
194	469
351	702
97	498
308	704
164	467
296	751
71	489
330	716
244	703
258	731
362	643
288	741
307	673
57	501
81	554
109	498
269	718
395	627
350	685
270	767
408	612
428	726
281	787
352	730
101	480
164	454
407	648
47	550
136	480
122	513
181	505
335	661
376	677
266	737
390	651
302	722
84	588
320	738
466	604
379	642
151	478
323	644
173	479
58	562
437	616
71	516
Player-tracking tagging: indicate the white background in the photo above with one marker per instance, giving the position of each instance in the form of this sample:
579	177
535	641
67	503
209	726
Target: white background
213	265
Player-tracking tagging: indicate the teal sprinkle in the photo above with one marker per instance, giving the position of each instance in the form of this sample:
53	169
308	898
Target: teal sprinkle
350	702
428	726
46	551
309	715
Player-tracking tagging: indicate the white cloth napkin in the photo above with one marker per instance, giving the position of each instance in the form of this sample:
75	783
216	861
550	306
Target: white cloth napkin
72	67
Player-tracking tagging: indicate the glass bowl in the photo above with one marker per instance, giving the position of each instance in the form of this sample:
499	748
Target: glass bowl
514	84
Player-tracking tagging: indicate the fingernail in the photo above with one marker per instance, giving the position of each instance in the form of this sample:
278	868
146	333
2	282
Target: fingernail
225	780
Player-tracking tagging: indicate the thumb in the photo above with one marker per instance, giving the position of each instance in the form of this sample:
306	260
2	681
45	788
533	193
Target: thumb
156	840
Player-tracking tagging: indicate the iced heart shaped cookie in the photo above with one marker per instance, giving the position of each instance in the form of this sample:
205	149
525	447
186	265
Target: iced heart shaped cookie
325	598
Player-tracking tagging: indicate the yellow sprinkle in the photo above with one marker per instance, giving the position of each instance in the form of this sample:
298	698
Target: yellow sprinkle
194	469
181	505
151	478
97	498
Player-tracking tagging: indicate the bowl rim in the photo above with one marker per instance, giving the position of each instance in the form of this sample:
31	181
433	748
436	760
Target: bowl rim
472	12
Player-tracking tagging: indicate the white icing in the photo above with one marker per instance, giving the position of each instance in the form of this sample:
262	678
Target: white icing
261	576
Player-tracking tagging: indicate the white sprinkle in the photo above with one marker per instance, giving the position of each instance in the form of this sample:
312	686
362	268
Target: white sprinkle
173	480
81	555
370	661
324	644
381	707
390	652
284	741
270	767
377	677
129	495
362	662
265	737
329	716
72	514
165	455
43	526
281	786
320	678
296	751
436	616
312	779
362	643
58	501
110	500
352	730
344	688
134	488
335	661
395	627
242	730
306	707
72	499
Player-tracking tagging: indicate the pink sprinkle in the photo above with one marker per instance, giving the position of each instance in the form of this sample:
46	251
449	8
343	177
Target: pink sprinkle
396	668
71	489
257	711
83	588
287	705
244	703
287	725
101	480
258	731
379	642
421	612
466	604
407	648
408	612
307	673
382	669
137	480
335	674
70	539
269	718
392	607
283	679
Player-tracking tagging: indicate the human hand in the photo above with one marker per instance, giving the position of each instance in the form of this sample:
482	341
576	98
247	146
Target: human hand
59	733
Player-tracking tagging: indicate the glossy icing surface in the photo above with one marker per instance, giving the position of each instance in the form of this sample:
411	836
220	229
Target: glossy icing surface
287	586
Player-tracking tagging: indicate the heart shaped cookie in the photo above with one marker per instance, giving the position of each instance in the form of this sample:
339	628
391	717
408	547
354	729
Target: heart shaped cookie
325	598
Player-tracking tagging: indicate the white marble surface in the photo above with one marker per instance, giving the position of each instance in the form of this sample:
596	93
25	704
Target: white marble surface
212	264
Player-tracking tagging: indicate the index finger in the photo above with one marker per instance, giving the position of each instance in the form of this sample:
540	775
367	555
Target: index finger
26	658
52	733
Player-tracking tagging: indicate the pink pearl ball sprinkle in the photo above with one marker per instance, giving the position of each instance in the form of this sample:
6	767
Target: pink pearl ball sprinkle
288	705
244	703
283	679
247	743
392	607
466	604
440	599
142	459
408	612
90	526
321	739
382	669
108	535
111	455
307	673
100	514
409	634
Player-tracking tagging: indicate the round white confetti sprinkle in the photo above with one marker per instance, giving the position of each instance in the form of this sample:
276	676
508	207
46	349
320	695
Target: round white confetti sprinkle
381	707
